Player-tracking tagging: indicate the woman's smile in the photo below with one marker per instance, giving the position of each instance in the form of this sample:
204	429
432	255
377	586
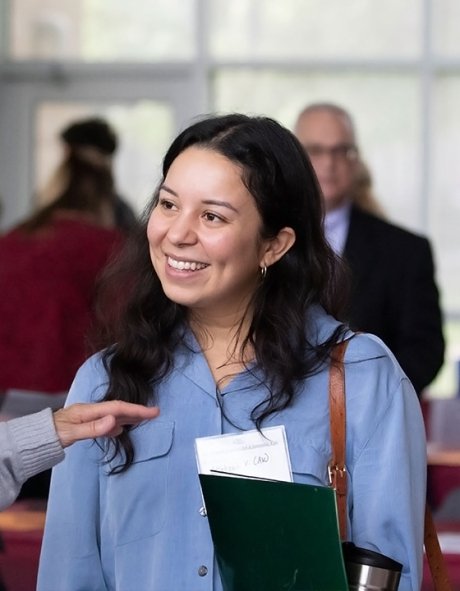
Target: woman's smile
185	265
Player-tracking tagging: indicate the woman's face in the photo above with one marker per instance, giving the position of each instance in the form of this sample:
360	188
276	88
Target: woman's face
204	234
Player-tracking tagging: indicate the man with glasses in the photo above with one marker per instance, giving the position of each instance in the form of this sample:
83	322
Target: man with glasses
393	290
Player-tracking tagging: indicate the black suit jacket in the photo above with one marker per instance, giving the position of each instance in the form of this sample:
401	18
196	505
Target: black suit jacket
394	294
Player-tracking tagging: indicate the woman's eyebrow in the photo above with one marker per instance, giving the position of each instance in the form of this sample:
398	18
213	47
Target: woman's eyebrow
168	190
217	202
220	203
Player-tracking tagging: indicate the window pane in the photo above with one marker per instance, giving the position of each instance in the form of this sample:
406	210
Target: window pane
445	204
98	30
389	135
253	29
446	18
144	130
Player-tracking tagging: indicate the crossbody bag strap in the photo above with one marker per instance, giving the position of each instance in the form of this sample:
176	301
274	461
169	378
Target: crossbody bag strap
337	469
434	555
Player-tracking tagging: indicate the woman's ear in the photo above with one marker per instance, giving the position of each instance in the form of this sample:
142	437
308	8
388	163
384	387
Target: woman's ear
277	247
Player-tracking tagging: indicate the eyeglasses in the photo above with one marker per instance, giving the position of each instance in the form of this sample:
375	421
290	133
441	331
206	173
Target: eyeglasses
343	152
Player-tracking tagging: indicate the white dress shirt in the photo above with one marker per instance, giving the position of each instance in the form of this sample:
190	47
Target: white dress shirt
336	223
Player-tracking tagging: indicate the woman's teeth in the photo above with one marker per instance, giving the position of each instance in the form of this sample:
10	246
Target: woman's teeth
186	265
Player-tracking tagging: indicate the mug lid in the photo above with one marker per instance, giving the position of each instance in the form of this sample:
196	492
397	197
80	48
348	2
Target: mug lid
353	553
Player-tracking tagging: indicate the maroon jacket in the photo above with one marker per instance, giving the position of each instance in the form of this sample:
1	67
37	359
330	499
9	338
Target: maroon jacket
47	282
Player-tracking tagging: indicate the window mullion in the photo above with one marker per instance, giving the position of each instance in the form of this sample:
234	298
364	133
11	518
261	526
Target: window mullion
427	89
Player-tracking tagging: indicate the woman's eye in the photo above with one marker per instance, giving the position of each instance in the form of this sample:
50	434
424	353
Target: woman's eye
212	217
166	204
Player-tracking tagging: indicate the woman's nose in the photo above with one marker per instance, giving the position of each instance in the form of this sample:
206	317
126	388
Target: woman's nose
183	230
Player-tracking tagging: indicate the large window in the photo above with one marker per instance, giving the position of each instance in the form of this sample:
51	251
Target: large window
395	65
97	30
248	30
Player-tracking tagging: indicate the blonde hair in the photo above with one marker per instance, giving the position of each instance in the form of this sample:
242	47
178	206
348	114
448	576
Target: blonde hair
363	195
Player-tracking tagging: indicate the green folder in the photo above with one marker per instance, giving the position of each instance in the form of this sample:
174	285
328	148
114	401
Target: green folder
274	536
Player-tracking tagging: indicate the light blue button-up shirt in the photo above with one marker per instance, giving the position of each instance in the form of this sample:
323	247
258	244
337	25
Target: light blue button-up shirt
144	529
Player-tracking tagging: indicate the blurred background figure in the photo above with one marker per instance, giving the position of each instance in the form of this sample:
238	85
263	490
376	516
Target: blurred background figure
49	264
394	294
95	142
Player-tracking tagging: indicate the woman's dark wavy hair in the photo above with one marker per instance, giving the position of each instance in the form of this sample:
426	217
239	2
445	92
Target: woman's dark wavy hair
147	326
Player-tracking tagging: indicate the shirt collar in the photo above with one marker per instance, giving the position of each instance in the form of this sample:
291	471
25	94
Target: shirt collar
336	224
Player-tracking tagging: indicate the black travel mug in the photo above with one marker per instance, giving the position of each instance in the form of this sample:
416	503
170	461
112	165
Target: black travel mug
370	571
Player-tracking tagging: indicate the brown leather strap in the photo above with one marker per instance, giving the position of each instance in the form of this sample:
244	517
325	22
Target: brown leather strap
337	468
338	472
434	555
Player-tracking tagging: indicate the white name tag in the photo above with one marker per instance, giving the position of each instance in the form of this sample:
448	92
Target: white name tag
250	453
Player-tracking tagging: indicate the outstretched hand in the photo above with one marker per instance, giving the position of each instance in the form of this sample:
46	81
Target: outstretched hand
90	420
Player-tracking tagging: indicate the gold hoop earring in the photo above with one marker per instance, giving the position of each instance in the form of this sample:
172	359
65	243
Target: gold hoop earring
263	271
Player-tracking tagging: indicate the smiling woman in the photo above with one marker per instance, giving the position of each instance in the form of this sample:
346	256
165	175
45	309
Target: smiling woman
229	324
204	220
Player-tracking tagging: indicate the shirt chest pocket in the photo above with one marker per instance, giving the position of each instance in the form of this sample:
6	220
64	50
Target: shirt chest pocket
309	464
135	503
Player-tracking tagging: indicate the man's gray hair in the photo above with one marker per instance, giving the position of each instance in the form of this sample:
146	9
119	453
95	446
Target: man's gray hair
330	108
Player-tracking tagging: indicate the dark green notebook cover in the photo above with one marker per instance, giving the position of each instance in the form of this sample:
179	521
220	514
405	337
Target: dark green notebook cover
274	536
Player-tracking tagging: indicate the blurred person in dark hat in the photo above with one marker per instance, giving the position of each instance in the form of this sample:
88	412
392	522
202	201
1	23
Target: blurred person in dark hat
94	141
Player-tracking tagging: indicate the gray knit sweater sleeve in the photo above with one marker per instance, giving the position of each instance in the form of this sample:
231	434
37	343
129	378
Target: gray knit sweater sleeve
28	445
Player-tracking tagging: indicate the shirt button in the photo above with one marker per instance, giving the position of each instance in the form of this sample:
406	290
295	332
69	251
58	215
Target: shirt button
202	511
203	570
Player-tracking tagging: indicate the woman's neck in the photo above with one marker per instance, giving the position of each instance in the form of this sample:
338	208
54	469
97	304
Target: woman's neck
222	341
